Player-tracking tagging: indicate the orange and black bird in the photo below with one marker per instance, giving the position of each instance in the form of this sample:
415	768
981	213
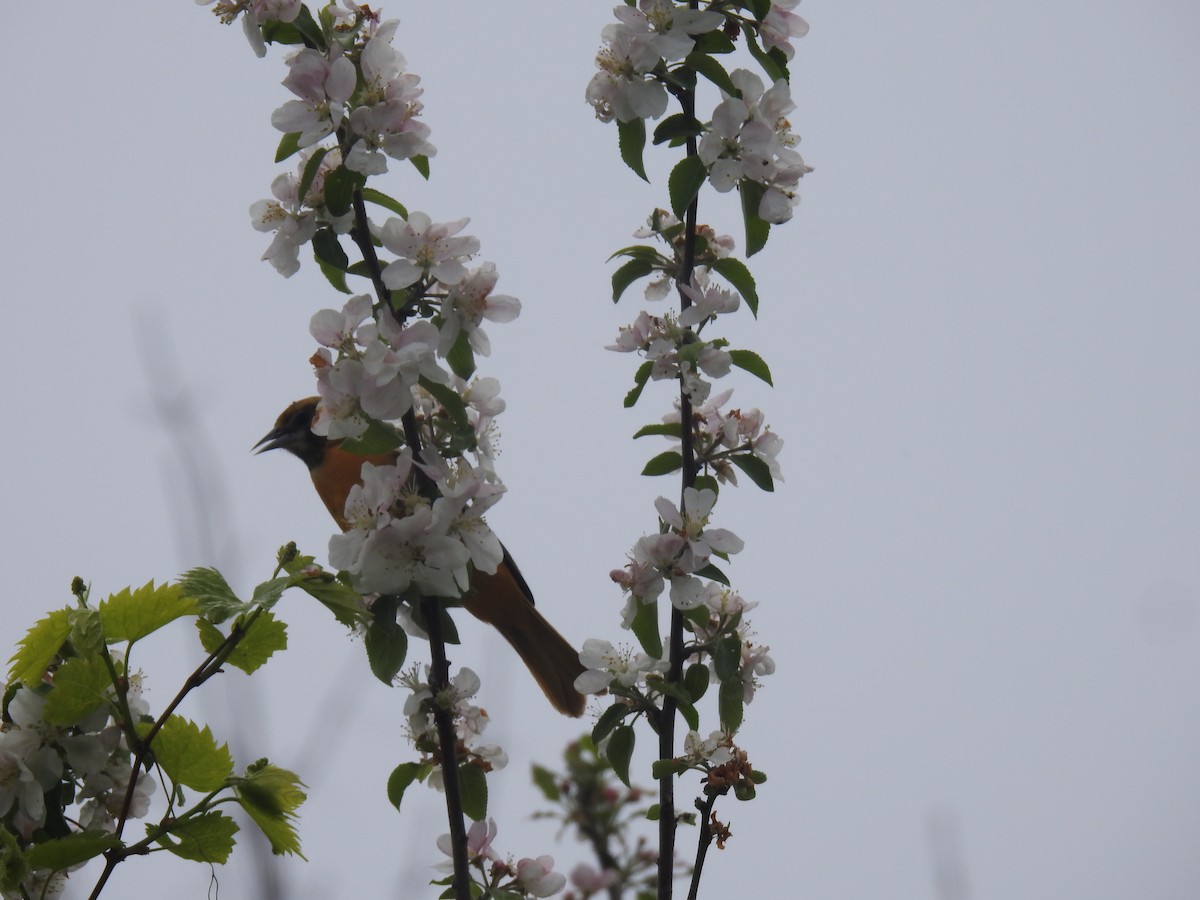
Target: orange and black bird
503	600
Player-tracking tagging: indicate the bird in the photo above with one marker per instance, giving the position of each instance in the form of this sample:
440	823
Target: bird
502	600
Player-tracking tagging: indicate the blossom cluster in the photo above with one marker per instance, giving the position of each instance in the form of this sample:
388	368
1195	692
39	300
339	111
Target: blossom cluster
526	877
469	722
90	756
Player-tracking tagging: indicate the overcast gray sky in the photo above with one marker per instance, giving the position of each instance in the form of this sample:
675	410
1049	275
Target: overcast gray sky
980	580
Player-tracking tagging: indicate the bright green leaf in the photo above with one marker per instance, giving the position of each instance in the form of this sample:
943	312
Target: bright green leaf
206	838
387	644
189	754
38	648
268	593
421	164
214	597
402	776
271	796
79	687
684	183
265	635
65	852
645	628
631	139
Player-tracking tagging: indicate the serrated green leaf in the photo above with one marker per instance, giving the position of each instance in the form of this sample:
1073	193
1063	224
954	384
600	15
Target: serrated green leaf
684	183
402	776
79	687
472	784
696	680
665	463
206	838
288	145
87	630
738	274
271	796
267	593
386	642
339	190
631	140
461	357
757	230
666	429
334	276
609	719
189	754
547	783
677	128
752	363
265	635
712	70
214	598
730	699
72	850
421	164
758	471
619	751
628	273
645	628
328	249
38	648
379	198
727	658
640	377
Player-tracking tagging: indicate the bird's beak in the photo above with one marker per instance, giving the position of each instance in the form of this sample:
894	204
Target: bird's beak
274	439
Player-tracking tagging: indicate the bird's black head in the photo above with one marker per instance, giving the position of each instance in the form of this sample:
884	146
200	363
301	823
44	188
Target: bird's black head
293	433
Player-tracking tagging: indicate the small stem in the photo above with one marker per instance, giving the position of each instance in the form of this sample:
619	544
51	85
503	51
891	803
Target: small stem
703	842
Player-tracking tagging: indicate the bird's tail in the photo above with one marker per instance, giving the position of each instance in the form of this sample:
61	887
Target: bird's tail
503	601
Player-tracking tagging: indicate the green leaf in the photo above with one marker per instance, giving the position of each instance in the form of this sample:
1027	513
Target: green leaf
696	680
421	164
727	658
65	852
547	783
310	172
378	438
343	601
339	190
334	276
38	648
265	635
387	644
307	26
637	251
379	198
268	593
665	463
214	597
707	482
620	751
667	429
328	249
715	42
683	701
713	573
189	754
132	614
79	687
757	230
662	768
712	70
206	838
609	719
472	784
87	630
288	145
461	357
402	776
628	273
645	628
752	363
760	8
684	183
737	274
640	377
759	471
774	62
729	704
271	796
677	128
450	400
631	139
